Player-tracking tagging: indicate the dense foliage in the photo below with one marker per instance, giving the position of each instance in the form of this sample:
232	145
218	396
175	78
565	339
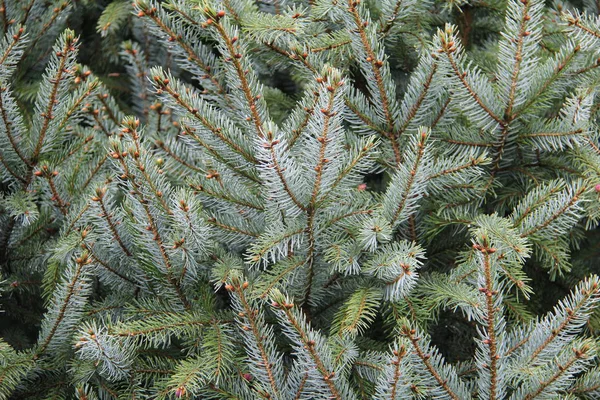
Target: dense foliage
283	199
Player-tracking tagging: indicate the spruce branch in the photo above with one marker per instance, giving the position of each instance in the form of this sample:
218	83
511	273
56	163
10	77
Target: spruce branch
357	313
471	84
238	67
13	368
202	112
99	198
66	307
87	247
261	344
130	127
409	182
445	380
392	383
311	347
369	54
198	55
55	88
518	51
491	339
12	51
567	209
391	185
551	76
548	336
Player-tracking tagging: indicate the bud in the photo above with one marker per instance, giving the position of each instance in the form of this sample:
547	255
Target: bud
180	392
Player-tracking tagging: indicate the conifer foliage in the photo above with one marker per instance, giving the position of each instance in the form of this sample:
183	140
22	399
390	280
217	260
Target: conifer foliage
287	199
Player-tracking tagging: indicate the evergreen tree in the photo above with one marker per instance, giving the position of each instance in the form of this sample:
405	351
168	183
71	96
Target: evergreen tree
219	199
